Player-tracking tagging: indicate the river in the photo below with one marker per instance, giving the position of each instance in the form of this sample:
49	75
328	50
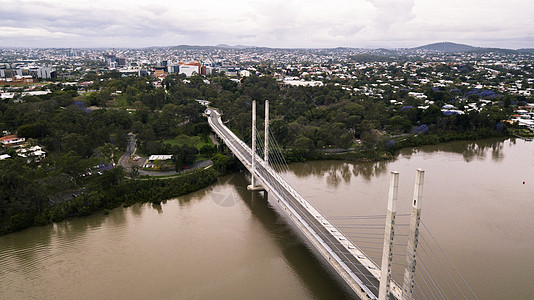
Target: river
224	242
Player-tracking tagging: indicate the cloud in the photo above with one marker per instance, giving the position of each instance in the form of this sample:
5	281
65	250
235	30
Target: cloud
9	32
274	23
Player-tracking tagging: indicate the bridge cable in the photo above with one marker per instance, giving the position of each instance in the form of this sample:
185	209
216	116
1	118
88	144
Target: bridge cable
283	166
421	281
450	262
281	163
421	278
445	280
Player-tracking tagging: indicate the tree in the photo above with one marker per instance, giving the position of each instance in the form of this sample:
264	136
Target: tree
304	144
21	196
110	177
207	150
400	124
108	150
71	163
34	130
370	139
134	173
219	163
279	130
430	115
79	143
183	155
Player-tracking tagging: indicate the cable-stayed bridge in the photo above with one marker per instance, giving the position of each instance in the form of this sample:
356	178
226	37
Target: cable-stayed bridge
361	273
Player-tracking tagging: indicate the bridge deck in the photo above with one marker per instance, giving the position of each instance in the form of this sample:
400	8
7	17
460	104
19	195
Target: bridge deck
358	267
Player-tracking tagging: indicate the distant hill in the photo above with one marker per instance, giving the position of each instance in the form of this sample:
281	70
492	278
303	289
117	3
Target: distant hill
233	47
380	54
191	47
447	47
197	47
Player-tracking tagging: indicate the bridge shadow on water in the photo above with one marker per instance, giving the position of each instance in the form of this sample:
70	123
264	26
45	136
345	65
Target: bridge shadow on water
318	278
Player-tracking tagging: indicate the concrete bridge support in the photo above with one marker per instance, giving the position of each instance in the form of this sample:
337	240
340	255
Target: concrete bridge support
413	238
389	234
253	186
266	150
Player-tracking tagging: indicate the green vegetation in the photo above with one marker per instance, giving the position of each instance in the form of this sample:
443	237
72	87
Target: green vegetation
308	120
305	121
68	181
195	141
28	206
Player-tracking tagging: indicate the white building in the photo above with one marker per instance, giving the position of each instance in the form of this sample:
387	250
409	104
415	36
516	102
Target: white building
34	153
303	83
417	95
45	72
150	161
7	96
244	73
189	70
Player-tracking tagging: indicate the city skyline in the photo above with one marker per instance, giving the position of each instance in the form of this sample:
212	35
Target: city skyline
277	24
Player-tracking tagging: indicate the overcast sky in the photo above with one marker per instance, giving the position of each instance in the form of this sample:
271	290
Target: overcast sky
269	23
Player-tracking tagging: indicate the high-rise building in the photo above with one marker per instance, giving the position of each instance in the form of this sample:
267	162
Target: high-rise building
109	59
46	72
121	61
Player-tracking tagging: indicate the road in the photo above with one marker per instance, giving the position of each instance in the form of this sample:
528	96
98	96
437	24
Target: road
130	150
368	279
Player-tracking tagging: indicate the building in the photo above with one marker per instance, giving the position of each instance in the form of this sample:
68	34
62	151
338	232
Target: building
160	71
113	61
244	73
46	73
173	68
17	80
154	160
121	61
109	59
34	153
12	141
190	69
293	82
205	70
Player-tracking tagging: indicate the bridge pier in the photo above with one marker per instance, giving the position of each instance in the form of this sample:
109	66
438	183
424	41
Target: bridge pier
255	188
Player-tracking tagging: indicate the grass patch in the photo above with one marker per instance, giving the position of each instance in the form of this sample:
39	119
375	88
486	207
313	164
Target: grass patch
121	101
193	141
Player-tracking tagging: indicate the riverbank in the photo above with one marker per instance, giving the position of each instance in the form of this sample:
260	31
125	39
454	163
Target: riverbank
125	193
389	148
155	190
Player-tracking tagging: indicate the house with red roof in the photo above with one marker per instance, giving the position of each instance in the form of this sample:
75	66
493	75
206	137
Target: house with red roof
12	141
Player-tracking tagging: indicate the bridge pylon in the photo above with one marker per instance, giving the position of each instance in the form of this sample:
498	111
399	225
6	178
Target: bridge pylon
266	148
413	238
253	186
389	235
